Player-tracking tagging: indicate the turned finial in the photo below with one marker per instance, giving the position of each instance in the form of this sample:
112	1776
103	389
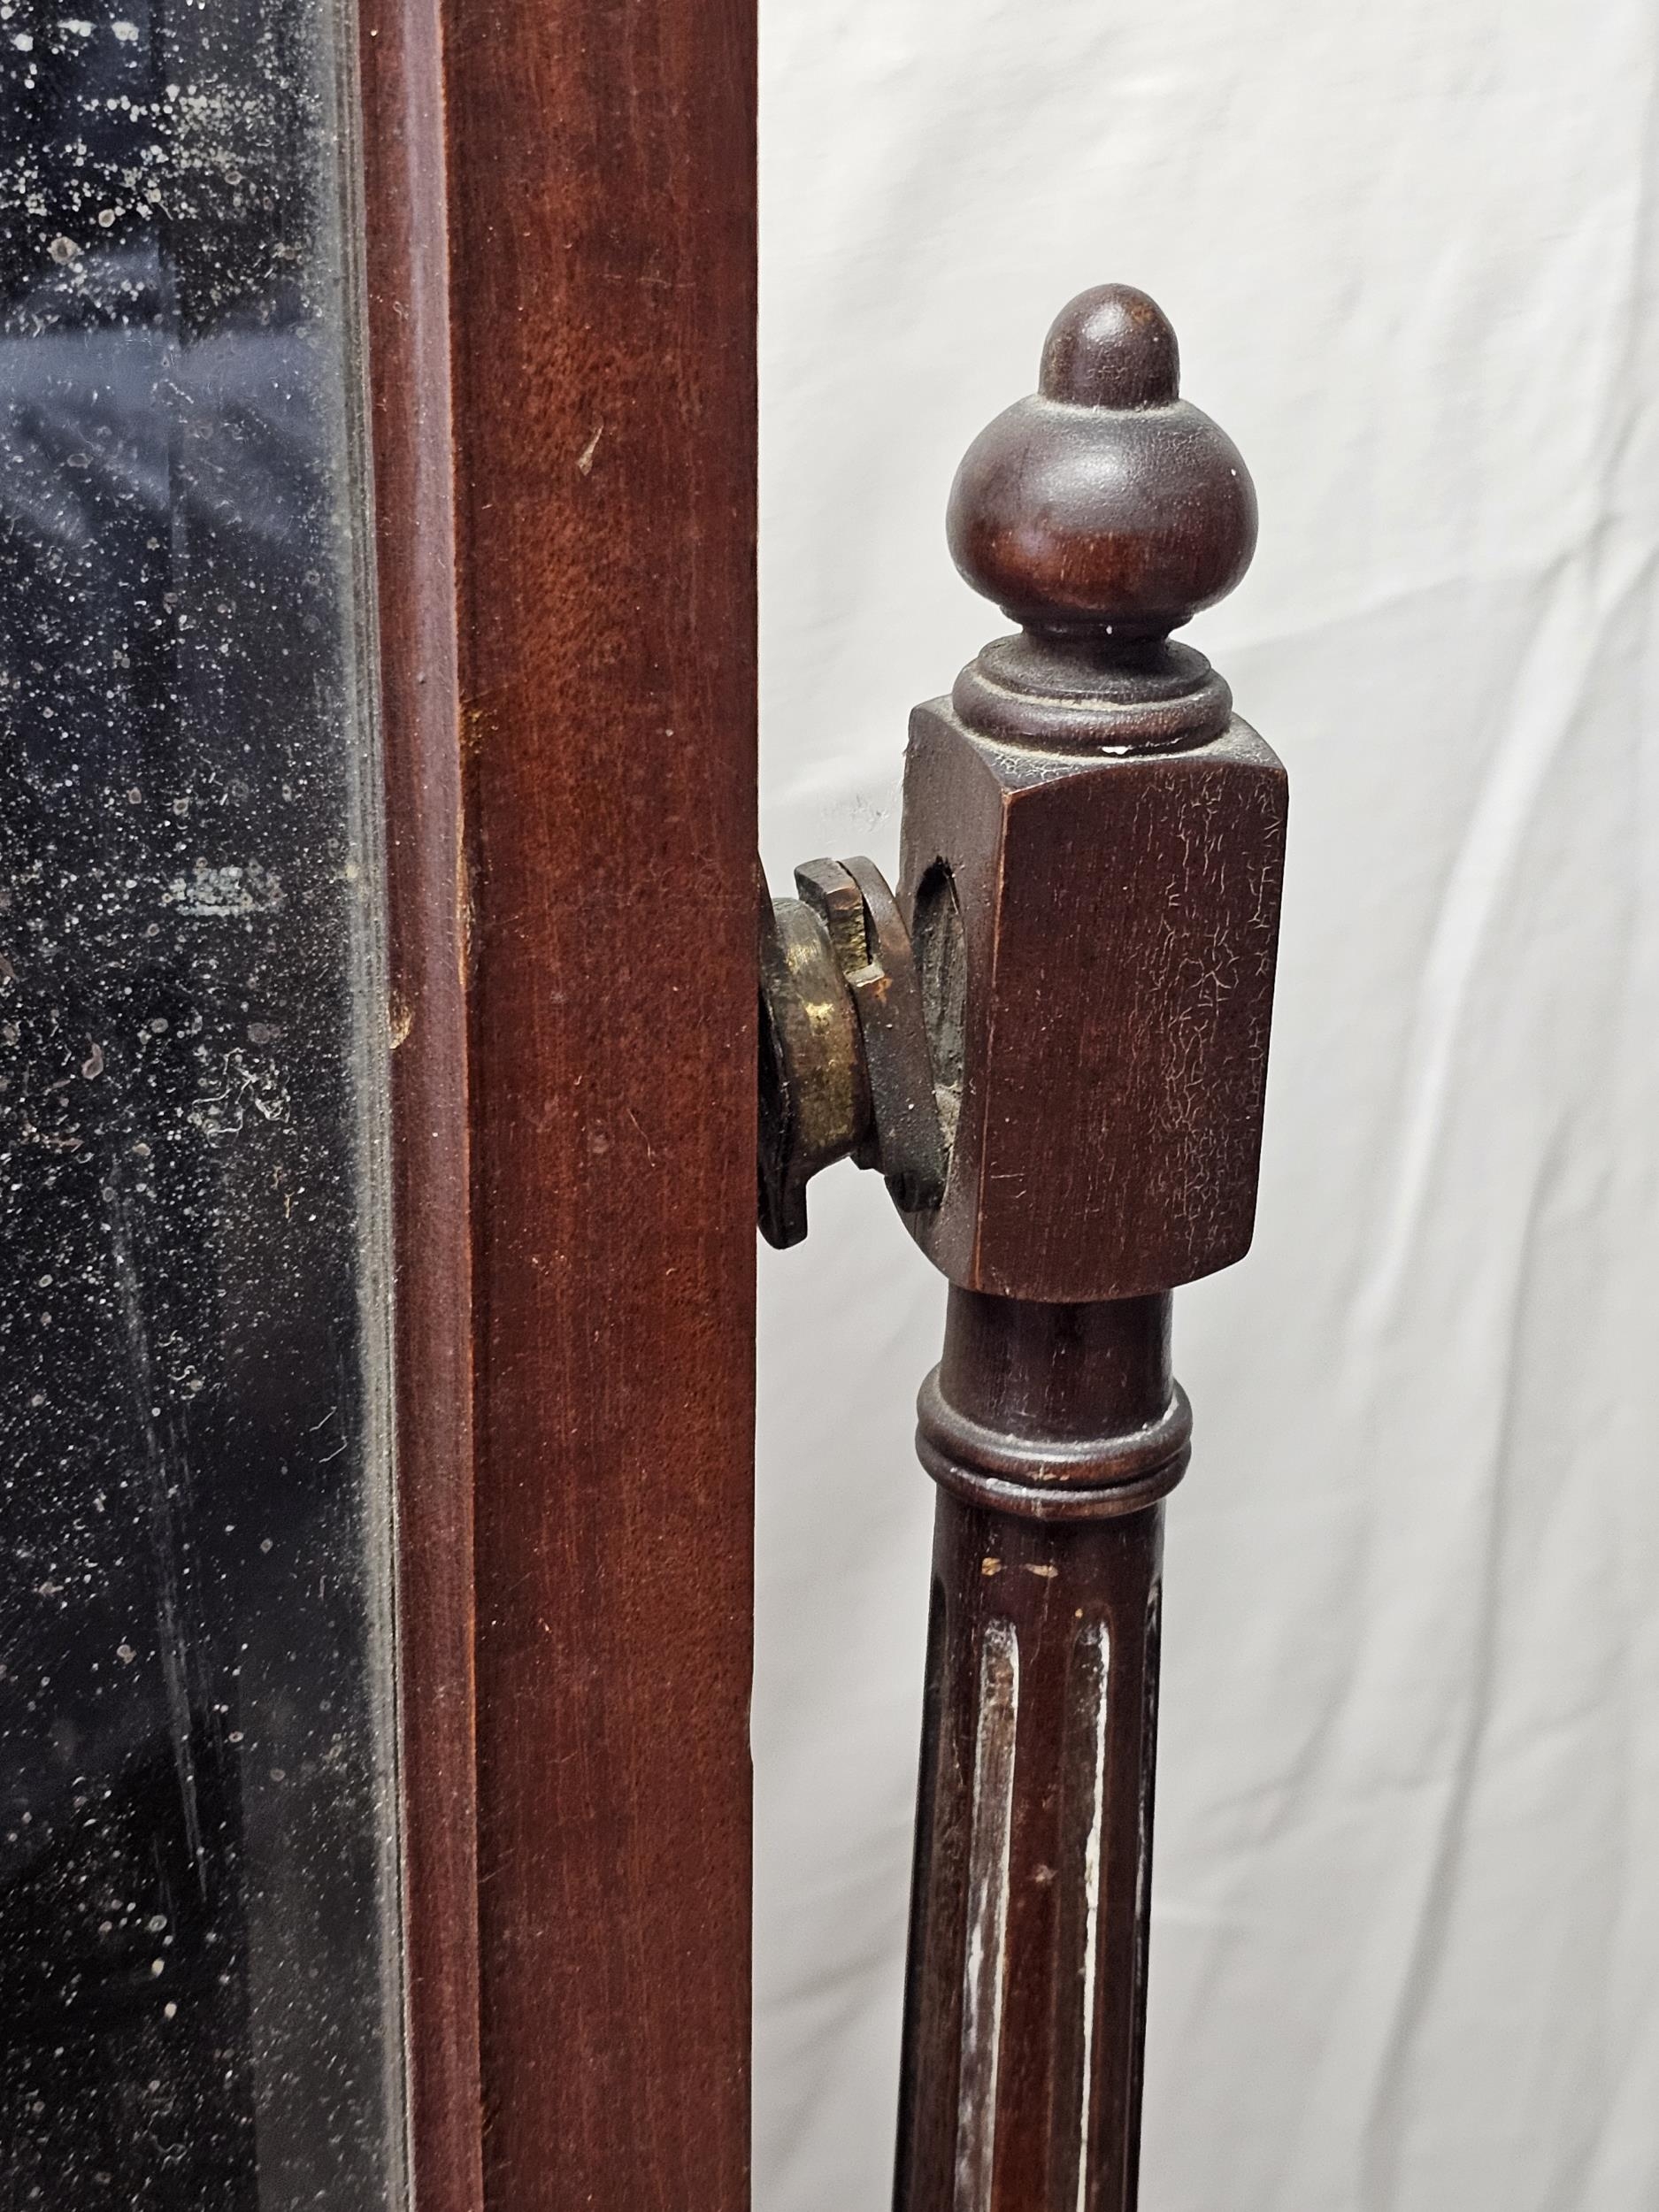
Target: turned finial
1104	506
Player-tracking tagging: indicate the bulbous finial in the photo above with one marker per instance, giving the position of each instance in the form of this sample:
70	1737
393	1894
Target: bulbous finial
1104	505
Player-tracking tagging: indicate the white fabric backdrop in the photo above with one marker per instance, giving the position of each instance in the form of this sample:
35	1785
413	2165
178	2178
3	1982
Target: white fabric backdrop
1406	1946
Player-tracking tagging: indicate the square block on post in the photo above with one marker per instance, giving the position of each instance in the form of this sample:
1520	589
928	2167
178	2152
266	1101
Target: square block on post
1118	920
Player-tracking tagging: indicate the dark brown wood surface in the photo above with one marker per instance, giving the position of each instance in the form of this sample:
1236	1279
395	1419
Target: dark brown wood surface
1025	2007
561	272
1114	834
1113	839
1085	933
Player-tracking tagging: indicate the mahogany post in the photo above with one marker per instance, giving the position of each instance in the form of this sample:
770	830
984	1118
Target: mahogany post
1091	857
1054	1432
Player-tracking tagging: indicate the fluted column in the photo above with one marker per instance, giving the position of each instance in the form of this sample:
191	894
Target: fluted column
1053	1432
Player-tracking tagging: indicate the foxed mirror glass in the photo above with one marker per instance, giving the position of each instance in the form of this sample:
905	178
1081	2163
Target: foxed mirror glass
198	1961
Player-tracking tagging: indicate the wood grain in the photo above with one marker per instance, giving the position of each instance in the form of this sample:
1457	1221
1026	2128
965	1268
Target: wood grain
601	227
568	190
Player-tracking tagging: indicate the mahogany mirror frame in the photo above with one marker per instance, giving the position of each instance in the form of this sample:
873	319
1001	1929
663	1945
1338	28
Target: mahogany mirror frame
559	218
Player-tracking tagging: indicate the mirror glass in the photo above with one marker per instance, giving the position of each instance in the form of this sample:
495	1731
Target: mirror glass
198	1969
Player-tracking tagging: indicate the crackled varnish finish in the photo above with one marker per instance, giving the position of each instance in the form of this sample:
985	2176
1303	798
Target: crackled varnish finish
1092	852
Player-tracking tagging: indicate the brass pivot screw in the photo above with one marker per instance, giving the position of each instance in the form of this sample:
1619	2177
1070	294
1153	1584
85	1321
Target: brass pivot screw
845	1069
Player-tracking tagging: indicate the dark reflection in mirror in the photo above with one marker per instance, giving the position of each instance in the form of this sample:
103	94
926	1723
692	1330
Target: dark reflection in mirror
198	1972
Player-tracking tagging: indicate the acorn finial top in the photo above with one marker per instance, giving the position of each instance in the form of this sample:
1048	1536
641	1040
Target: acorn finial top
1104	505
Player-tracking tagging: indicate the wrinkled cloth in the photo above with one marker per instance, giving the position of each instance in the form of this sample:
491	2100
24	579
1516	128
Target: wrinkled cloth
1405	1949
